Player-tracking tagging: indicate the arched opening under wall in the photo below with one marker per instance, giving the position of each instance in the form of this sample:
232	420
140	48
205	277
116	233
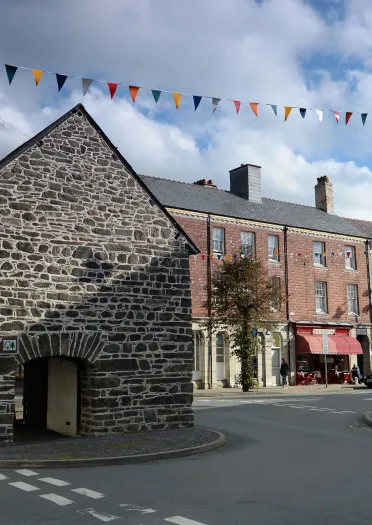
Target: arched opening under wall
48	397
364	360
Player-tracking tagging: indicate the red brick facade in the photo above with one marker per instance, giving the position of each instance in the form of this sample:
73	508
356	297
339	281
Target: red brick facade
302	273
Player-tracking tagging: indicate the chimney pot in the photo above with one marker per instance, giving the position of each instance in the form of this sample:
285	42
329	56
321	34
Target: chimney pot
324	194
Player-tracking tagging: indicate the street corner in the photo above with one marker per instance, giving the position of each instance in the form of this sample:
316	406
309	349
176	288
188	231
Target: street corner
112	450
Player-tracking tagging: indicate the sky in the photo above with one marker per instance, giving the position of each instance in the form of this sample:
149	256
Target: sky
310	54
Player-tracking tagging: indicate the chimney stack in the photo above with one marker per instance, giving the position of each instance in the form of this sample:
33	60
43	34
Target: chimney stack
324	195
245	182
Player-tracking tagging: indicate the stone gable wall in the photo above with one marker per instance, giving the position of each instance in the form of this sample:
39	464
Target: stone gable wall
90	268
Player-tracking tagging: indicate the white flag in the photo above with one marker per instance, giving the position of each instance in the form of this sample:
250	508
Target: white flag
320	114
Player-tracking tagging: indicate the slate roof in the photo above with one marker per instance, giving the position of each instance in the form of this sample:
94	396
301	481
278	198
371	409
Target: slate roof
79	107
196	198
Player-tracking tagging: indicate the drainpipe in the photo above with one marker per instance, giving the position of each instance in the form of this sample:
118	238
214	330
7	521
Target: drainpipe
209	300
286	289
367	248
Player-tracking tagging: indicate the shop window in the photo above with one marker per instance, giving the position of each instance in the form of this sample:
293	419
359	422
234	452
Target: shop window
352	299
247	240
350	259
319	253
219	241
220	348
321	297
273	247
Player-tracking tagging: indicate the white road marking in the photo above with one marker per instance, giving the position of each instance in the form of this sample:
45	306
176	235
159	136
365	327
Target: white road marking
26	472
3	477
23	486
344	412
89	493
103	516
53	481
142	510
295	406
58	500
179	520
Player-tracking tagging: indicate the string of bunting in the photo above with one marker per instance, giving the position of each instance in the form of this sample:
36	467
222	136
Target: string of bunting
235	256
177	96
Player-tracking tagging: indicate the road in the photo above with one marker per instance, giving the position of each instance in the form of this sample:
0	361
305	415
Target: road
289	460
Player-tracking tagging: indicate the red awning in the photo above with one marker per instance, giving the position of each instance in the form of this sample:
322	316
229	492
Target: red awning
337	344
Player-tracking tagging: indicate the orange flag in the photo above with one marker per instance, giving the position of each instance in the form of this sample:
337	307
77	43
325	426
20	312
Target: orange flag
133	90
177	99
38	73
254	106
287	110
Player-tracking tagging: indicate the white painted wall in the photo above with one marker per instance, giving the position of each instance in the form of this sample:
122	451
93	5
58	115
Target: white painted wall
62	396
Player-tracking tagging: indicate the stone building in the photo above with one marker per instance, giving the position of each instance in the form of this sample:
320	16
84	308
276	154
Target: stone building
94	289
322	260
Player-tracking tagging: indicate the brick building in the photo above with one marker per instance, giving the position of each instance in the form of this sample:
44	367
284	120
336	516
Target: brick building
94	286
322	259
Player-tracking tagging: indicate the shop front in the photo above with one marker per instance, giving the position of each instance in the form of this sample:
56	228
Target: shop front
343	350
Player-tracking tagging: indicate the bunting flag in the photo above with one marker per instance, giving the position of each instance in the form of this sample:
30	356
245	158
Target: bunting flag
196	101
38	73
215	102
287	110
177	99
237	105
133	90
10	71
86	83
112	88
156	94
254	107
61	79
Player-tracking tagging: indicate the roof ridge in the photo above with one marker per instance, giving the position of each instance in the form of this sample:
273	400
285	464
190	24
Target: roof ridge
359	220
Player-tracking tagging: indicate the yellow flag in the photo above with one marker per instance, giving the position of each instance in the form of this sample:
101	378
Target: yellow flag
177	99
37	75
287	110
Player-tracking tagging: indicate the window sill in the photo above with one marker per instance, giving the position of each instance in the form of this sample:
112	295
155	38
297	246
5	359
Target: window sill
353	315
274	261
320	267
350	269
324	314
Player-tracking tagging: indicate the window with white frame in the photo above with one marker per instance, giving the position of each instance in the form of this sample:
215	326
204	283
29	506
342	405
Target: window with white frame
352	299
247	241
321	297
350	259
319	253
219	241
273	247
220	348
197	347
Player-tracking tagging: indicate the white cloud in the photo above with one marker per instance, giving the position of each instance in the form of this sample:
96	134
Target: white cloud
236	49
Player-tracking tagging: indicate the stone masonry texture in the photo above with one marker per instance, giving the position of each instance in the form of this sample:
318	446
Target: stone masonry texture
90	268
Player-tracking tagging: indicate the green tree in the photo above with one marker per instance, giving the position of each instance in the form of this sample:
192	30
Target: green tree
243	301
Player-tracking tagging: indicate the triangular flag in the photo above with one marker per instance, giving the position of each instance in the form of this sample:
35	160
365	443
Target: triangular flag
340	254
197	100
86	82
177	99
112	87
10	71
215	102
364	117
274	108
347	254
133	90
218	256
347	117
333	254
254	106
203	257
227	257
195	257
319	112
337	115
303	112
61	79
211	257
37	75
237	105
287	110
156	94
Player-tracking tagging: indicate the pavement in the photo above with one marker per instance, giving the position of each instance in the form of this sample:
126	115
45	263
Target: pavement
278	390
294	459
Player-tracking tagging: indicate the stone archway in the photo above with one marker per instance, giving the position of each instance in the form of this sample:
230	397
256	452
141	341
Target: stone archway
56	379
